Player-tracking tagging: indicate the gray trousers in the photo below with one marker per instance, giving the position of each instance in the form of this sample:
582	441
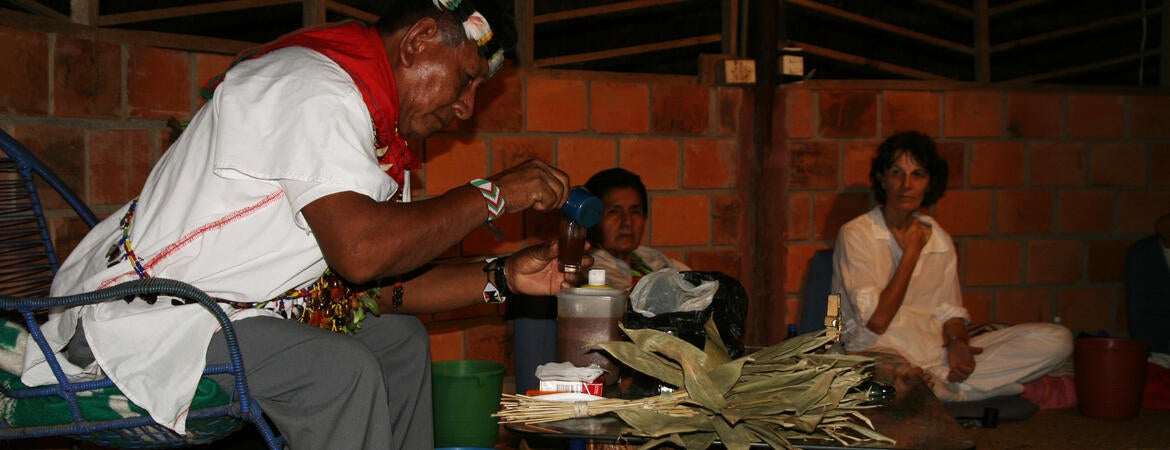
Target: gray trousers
369	390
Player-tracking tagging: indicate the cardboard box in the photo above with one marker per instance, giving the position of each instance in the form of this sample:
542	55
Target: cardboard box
585	387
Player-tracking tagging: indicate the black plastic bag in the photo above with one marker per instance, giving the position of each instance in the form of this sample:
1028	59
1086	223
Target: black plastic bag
728	307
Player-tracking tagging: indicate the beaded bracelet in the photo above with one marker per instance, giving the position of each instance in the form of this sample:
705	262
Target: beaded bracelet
491	196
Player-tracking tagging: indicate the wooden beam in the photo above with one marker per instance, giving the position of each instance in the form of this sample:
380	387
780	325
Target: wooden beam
37	8
626	51
1073	30
865	62
604	9
953	9
1084	68
13	19
525	32
982	42
84	12
1164	67
312	12
730	21
351	12
1013	6
905	32
183	11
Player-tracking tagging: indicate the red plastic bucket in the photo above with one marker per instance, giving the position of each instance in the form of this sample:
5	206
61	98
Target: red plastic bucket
1110	376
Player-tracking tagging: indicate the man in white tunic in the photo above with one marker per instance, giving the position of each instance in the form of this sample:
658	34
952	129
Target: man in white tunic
290	169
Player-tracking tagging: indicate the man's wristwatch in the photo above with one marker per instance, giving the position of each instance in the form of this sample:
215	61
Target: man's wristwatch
496	289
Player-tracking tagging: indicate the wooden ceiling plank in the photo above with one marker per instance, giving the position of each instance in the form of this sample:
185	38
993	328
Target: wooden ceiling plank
626	51
312	12
1013	6
84	12
37	8
954	9
867	62
1073	30
351	12
921	37
1084	67
182	11
525	32
604	9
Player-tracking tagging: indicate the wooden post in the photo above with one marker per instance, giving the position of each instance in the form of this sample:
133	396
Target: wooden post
525	32
982	42
1164	69
312	12
84	12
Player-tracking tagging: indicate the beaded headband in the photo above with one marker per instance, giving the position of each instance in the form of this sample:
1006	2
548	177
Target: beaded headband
476	26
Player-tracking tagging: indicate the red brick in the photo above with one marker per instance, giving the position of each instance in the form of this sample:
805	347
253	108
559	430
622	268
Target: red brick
619	107
1147	116
489	342
1137	210
1086	309
207	68
973	114
1117	164
1086	211
114	173
718	260
25	80
1107	261
831	210
453	162
1055	262
62	150
978	306
848	114
509	152
88	79
499	104
858	158
1023	306
66	232
680	220
813	165
154	93
955	154
1032	114
910	111
965	212
710	163
681	109
1024	211
731	106
655	160
800	220
797	260
792	306
727	219
446	344
482	241
582	157
799	117
990	263
541	226
1096	116
996	164
478	311
1059	163
1160	164
556	105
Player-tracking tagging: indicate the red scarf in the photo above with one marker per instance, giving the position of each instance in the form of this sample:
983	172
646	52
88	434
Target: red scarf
358	49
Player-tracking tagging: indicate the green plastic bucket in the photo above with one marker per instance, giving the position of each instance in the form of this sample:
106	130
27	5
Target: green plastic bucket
466	394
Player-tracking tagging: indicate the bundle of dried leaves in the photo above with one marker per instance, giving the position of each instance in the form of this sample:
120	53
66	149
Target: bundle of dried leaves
777	394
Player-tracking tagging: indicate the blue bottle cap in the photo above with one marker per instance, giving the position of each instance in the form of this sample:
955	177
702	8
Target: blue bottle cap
583	207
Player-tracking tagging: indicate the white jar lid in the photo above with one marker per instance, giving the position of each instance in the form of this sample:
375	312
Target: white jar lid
597	277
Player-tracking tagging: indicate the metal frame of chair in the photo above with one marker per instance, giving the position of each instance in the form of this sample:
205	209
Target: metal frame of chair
26	271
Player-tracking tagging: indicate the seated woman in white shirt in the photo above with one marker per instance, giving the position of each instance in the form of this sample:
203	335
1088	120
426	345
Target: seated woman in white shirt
617	239
896	271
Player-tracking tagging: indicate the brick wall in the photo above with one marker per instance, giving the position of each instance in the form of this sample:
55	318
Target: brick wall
1048	187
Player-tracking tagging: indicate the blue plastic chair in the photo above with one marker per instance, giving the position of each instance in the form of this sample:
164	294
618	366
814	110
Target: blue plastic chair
817	287
27	265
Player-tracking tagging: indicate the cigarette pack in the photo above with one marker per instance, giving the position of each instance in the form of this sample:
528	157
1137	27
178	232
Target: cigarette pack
585	387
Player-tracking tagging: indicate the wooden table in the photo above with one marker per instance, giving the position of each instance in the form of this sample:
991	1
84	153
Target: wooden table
915	418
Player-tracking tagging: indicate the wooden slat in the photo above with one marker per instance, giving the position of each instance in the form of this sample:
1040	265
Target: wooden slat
924	38
1013	6
863	61
182	11
84	12
982	42
36	7
604	9
18	20
1083	68
1073	30
1164	68
312	12
626	51
951	8
525	32
730	21
351	12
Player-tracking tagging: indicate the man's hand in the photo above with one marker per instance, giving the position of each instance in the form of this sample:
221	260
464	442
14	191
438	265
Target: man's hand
533	184
533	271
961	358
914	237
